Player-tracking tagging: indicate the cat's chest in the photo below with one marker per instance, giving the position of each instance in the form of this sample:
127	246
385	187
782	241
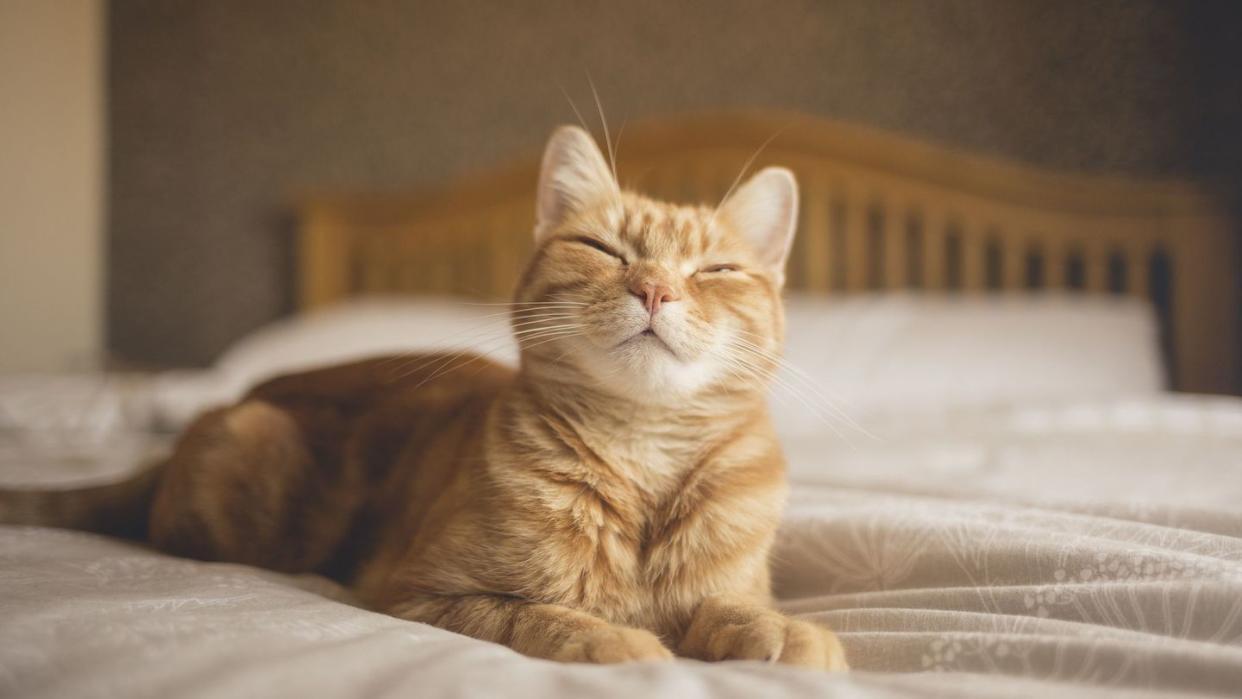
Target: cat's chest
652	465
636	530
638	548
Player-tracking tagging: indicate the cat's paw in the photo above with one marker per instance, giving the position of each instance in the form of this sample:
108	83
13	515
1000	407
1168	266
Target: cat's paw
762	634
810	645
611	644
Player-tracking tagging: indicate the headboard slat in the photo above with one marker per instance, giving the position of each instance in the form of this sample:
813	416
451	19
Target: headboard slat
973	257
933	246
815	270
895	252
1138	264
1056	258
855	231
1095	266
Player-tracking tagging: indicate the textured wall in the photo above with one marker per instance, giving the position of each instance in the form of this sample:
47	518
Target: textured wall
221	109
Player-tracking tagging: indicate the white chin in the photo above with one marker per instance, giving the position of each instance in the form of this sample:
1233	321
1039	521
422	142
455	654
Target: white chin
645	369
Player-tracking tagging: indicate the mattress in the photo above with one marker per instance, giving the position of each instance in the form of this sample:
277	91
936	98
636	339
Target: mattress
1070	549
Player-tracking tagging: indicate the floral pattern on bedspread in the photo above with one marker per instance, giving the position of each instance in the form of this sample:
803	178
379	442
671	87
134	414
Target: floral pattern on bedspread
975	555
1077	551
917	585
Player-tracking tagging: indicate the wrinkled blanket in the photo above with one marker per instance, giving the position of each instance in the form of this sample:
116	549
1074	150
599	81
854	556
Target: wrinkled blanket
1075	550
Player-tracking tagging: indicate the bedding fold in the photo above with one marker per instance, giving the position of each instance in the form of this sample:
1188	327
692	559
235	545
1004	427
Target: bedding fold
963	557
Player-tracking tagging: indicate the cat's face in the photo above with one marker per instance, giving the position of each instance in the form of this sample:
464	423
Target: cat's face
650	300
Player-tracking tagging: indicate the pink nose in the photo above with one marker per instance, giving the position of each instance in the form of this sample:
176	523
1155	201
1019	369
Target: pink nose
653	294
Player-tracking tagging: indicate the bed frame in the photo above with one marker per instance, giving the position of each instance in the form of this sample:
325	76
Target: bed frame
879	211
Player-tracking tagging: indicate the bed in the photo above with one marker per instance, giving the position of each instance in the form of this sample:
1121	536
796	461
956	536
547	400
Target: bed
995	490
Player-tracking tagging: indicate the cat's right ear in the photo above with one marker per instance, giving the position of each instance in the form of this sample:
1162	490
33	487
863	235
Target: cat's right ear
574	176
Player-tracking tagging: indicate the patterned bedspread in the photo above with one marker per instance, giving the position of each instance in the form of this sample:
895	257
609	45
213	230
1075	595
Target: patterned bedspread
1073	550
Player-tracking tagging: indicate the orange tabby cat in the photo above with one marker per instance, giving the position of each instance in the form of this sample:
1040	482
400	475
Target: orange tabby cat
613	499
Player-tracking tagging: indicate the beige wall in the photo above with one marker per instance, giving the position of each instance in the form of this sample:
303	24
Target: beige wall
51	183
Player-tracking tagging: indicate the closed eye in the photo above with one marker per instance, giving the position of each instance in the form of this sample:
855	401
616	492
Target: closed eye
593	243
714	269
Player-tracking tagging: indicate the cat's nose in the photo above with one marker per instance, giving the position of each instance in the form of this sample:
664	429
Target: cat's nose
652	293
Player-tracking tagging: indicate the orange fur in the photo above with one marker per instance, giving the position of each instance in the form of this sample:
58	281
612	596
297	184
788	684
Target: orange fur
613	499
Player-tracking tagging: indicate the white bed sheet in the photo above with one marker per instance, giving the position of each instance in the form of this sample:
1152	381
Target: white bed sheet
1085	549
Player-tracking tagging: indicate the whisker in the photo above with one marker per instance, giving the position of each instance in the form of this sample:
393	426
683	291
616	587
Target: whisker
760	376
491	337
439	360
440	371
503	319
445	369
526	303
793	392
612	158
536	332
738	180
770	375
810	386
578	114
482	332
482	329
484	342
562	355
616	150
544	320
467	335
541	319
809	382
823	402
550	339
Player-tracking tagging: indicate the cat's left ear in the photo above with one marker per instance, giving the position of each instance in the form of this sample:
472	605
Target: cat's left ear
765	211
574	176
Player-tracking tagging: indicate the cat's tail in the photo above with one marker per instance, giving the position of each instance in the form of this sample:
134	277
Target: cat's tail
118	509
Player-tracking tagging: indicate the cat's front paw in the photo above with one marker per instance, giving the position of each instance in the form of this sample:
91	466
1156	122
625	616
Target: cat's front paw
810	645
611	644
755	633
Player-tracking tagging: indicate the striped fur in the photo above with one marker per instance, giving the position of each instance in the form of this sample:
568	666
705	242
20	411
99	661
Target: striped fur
613	499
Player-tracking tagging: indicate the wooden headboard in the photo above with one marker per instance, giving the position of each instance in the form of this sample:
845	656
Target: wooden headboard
879	211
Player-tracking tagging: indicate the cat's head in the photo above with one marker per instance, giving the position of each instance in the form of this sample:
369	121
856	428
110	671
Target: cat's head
650	300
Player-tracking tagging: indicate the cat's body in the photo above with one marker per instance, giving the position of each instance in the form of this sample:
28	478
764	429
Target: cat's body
612	499
618	527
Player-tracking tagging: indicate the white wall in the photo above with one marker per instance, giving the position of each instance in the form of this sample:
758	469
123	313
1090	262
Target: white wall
51	183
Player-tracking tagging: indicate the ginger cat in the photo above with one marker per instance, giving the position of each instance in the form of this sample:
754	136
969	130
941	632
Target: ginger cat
614	499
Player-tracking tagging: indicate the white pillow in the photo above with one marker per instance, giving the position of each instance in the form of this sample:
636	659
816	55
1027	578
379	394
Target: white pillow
891	352
898	352
364	328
